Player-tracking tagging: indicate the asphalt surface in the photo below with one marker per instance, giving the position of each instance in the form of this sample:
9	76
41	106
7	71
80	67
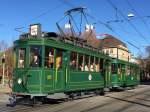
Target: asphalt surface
133	100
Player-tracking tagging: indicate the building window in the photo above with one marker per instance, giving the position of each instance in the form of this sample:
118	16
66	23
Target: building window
111	50
107	52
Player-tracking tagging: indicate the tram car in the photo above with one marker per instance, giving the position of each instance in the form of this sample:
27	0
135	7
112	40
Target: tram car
123	74
47	64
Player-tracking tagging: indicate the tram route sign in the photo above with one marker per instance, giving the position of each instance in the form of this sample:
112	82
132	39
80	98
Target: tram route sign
35	30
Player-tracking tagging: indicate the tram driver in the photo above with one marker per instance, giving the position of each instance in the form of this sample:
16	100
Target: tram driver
35	61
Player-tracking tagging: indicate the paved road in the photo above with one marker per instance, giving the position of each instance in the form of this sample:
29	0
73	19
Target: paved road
136	100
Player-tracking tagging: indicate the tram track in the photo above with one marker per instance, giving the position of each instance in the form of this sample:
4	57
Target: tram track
123	96
26	108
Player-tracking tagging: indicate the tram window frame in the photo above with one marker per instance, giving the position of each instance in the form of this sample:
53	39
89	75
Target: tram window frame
21	62
15	62
49	57
114	68
101	62
73	60
35	55
97	64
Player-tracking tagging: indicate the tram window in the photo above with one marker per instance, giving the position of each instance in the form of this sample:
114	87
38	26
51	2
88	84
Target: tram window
97	67
113	68
59	59
92	64
87	60
49	57
21	60
81	62
101	65
73	60
128	70
119	69
132	70
35	56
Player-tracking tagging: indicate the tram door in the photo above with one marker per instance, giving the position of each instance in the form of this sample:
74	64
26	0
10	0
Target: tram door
60	69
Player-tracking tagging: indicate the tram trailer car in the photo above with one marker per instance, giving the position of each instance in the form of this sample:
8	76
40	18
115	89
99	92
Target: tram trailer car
46	66
123	74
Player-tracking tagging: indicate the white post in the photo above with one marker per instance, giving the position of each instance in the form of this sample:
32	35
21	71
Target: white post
3	62
3	74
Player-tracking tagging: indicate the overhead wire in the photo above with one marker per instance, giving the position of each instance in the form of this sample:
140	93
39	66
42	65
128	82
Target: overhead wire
95	19
131	24
100	22
139	16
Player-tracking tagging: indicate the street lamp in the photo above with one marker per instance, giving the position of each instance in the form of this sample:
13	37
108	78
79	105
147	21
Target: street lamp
130	15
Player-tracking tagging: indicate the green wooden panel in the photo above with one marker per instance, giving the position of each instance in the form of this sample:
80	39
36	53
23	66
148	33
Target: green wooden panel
116	81
84	80
48	81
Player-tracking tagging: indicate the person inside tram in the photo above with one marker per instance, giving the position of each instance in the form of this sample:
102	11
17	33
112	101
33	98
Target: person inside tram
97	67
73	64
86	68
82	67
51	60
21	58
35	62
58	62
21	63
92	67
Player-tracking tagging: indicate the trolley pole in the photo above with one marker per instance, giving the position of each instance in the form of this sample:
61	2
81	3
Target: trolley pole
3	62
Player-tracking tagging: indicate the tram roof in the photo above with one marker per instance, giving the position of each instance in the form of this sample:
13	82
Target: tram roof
78	45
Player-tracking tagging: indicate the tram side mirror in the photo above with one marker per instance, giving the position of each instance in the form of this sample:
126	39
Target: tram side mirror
35	30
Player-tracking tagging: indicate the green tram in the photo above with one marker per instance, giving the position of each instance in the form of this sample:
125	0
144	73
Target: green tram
52	64
123	74
46	66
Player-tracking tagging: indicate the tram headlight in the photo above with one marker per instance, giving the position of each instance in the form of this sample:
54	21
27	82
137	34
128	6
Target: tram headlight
19	81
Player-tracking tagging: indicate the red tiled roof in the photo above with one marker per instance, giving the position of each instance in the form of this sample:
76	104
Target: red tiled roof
110	41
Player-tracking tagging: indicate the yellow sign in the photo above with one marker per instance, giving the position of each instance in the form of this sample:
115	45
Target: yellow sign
49	77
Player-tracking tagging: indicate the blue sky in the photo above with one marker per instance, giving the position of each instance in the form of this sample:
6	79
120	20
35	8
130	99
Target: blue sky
22	13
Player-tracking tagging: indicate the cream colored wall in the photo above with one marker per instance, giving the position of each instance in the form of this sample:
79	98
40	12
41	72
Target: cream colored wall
122	54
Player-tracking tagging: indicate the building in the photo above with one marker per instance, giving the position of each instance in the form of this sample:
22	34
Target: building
115	48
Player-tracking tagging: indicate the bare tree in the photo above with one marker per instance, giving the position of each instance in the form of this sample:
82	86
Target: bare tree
148	51
90	36
9	59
